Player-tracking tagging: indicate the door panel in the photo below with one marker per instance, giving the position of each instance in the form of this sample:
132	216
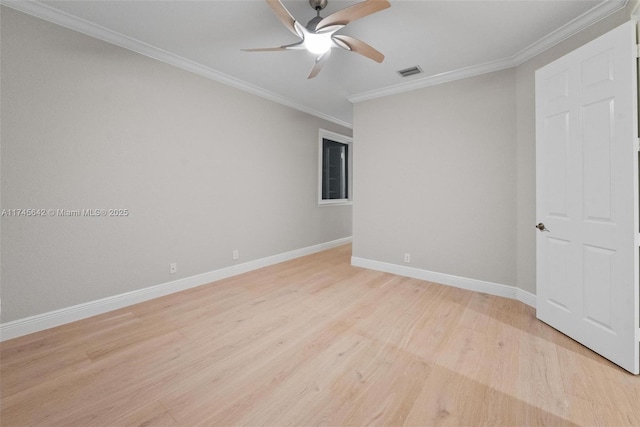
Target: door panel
587	196
598	286
558	259
597	139
557	154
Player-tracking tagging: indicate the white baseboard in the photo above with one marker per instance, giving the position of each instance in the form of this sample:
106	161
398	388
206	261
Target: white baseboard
526	297
55	318
447	279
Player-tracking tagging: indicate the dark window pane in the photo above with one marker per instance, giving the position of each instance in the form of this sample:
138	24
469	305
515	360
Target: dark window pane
335	160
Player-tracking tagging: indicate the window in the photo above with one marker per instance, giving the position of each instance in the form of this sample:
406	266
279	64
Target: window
334	170
334	166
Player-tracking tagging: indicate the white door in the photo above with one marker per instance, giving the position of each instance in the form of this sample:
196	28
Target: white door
587	196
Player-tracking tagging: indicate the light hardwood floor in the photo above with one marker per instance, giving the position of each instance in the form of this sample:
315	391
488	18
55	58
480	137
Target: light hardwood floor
310	342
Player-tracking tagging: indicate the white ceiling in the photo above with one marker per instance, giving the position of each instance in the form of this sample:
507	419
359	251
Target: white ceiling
447	39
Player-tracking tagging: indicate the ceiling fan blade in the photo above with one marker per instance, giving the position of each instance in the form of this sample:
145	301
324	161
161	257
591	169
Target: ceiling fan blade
352	13
320	61
283	15
358	46
329	29
293	46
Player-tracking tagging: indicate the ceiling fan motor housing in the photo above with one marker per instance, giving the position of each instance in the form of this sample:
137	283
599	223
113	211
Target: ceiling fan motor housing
318	4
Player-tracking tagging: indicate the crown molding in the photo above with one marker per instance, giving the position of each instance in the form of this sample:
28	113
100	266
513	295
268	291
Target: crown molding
574	26
47	13
437	79
40	10
578	24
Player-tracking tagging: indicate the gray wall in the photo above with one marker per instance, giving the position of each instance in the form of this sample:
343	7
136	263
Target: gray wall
447	173
202	168
435	176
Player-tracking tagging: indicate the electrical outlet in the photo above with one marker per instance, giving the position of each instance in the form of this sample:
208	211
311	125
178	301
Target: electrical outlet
407	258
236	254
173	268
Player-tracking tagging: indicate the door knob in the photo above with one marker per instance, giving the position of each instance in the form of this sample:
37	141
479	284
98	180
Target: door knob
541	227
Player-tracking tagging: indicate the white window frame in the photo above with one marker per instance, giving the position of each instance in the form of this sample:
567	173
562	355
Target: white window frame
326	134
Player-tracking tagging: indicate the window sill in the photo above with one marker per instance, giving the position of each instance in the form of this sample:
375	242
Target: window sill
335	203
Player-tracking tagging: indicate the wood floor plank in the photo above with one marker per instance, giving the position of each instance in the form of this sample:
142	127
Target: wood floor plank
543	386
313	341
265	368
91	392
394	380
290	398
151	415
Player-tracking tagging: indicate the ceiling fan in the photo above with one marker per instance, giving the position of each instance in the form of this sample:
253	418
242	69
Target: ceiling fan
318	36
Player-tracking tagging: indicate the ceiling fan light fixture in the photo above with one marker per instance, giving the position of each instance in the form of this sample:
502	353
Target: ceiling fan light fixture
318	36
318	44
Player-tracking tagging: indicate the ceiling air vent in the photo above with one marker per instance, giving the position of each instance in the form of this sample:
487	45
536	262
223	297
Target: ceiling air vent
410	71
